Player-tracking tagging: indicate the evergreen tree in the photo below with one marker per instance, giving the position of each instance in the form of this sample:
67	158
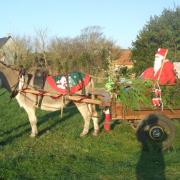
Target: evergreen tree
161	31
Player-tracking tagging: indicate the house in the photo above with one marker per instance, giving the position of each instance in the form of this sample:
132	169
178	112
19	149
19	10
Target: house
7	50
124	60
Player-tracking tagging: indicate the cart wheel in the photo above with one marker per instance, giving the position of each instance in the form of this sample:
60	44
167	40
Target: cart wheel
156	131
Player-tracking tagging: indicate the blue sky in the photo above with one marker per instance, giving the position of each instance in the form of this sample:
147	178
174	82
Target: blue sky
121	20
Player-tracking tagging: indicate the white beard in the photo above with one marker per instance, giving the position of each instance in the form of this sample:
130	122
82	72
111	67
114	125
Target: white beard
157	64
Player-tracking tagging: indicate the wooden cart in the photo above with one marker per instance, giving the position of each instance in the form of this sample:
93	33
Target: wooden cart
151	124
118	112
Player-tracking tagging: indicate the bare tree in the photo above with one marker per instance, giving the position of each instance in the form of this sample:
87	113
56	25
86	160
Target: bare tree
23	49
87	52
41	43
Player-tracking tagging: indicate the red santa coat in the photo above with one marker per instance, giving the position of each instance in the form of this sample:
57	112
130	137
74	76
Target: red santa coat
167	74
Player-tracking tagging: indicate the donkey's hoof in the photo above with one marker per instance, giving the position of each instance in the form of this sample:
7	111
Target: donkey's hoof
95	133
83	134
33	135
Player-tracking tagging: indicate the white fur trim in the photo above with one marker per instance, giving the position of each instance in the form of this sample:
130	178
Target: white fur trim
157	63
107	111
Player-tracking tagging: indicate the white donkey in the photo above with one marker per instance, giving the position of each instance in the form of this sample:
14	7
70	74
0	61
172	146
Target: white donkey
28	101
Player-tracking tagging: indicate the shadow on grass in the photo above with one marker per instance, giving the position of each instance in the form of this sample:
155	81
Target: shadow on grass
66	116
151	163
115	123
13	129
42	120
10	139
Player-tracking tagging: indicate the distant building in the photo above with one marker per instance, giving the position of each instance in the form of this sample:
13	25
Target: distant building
7	50
124	60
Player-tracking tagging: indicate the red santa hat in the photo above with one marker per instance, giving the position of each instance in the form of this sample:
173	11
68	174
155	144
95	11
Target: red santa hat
161	52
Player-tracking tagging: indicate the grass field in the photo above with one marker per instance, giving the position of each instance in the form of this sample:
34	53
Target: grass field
59	153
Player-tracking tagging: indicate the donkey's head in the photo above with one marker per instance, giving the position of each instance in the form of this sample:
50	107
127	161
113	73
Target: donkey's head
7	76
4	82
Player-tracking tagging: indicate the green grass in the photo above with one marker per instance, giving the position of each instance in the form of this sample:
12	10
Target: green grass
59	153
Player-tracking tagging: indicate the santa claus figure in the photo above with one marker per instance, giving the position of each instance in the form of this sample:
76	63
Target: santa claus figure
159	57
62	83
163	70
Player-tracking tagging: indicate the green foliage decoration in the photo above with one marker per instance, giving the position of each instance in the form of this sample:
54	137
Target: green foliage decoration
137	94
171	96
133	94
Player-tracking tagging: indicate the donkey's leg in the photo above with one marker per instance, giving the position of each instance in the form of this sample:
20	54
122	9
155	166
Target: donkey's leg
84	110
32	120
96	126
94	116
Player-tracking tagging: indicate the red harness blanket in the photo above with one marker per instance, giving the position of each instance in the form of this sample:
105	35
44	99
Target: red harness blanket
69	84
